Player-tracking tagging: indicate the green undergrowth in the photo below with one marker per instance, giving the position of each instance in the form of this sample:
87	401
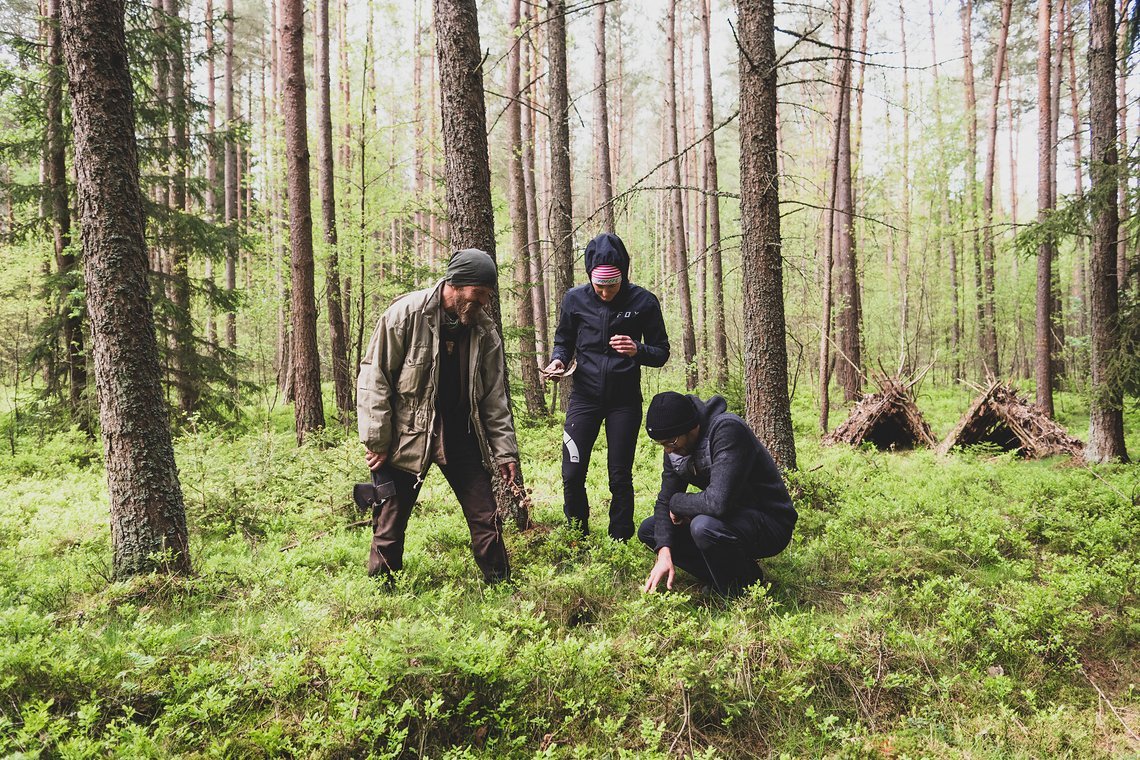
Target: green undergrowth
966	606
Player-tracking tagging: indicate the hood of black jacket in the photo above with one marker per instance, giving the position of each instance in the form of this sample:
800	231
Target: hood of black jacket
607	248
708	410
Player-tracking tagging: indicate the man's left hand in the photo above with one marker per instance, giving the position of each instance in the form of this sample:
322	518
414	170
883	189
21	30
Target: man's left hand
509	471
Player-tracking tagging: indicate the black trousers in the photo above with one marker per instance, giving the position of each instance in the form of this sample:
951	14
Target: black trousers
722	553
583	422
472	486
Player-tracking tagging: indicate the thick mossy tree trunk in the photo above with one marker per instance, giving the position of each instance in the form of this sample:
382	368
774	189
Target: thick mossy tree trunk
308	412
148	518
765	344
1106	428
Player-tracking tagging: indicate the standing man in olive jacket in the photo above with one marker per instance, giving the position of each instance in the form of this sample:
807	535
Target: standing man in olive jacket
431	389
612	328
743	511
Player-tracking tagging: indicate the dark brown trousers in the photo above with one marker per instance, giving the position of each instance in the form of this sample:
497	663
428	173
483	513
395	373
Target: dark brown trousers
472	486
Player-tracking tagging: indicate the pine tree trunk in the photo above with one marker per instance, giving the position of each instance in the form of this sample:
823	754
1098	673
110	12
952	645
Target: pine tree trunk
211	169
712	187
848	372
338	344
537	284
605	189
308	411
1043	363
989	316
1079	294
970	220
66	265
229	171
904	249
520	227
561	201
680	240
148	519
182	330
1106	424
765	345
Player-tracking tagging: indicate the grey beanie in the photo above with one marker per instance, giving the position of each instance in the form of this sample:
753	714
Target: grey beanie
472	267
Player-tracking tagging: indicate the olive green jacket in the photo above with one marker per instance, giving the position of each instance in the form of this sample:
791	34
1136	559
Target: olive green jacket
399	379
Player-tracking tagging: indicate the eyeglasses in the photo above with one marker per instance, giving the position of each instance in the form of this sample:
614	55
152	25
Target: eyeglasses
671	443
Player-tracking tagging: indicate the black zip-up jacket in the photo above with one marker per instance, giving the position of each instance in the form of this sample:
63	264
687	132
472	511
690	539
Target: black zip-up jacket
737	476
587	323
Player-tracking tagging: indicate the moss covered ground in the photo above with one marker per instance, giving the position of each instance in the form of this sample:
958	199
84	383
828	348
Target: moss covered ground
968	606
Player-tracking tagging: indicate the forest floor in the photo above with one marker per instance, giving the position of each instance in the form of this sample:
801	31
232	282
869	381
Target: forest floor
968	606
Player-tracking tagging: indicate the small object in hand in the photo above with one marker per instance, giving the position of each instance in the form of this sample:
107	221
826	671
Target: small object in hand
555	375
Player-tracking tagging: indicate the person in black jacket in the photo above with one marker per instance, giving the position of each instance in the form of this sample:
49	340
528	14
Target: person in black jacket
743	511
612	327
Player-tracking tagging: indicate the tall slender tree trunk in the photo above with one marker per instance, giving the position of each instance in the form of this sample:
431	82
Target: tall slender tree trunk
1106	423
229	181
765	345
848	372
1125	29
949	241
66	264
338	343
148	518
989	316
1057	311
605	189
680	240
712	187
183	355
971	215
308	411
1079	295
904	248
1043	364
520	227
537	285
211	199
841	122
561	201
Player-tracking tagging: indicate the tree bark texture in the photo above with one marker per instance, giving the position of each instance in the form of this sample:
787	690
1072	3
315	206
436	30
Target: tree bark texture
605	190
539	303
338	343
229	174
1043	363
712	187
148	519
989	316
66	264
561	200
765	344
680	239
520	234
308	411
971	215
1106	424
848	369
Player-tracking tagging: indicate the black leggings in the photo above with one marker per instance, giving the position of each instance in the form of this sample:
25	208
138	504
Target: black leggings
583	422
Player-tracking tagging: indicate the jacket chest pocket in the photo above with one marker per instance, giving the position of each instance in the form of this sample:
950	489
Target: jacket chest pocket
414	371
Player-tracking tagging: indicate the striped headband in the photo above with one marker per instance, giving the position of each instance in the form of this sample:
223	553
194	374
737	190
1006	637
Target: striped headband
605	274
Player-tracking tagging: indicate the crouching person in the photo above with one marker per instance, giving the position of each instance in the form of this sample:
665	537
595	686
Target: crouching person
743	511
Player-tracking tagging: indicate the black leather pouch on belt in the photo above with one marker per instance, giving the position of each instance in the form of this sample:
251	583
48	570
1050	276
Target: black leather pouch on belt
368	495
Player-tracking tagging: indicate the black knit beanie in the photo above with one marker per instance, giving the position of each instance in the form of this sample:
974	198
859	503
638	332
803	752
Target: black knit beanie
472	267
670	414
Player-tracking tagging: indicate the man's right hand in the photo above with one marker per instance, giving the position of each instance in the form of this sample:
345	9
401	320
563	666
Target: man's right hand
375	461
662	569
